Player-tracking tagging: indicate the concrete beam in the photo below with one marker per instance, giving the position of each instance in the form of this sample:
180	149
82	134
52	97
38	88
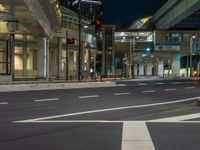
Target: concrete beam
174	11
30	14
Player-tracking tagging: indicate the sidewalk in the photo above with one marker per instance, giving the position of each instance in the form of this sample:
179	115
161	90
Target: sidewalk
42	85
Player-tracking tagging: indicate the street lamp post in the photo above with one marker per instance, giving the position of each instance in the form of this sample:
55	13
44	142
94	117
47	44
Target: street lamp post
131	64
79	48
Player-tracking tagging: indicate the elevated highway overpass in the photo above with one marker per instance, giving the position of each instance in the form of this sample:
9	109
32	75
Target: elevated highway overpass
40	17
182	14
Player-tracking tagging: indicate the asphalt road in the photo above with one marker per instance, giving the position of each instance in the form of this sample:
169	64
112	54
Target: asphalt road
139	115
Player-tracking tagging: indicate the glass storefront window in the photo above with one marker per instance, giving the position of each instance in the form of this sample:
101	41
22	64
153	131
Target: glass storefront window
4	58
186	37
3	68
176	37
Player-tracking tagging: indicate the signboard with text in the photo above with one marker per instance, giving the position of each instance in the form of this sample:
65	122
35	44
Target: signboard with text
167	47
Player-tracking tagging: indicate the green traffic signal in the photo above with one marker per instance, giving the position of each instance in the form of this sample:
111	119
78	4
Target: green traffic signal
149	49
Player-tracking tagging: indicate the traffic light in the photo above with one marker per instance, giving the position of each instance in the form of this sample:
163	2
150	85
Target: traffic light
71	40
149	49
97	22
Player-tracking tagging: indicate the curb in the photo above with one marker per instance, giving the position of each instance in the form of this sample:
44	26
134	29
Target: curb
54	86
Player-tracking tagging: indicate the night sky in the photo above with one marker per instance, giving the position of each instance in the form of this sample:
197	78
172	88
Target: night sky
116	11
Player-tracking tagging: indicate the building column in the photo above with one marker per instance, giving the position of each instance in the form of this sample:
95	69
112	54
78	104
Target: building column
113	64
160	68
43	58
141	69
135	70
59	58
83	52
25	54
12	49
103	58
113	54
198	68
176	65
149	69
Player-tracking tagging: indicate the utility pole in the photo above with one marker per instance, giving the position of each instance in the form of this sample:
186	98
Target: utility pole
131	64
191	53
66	57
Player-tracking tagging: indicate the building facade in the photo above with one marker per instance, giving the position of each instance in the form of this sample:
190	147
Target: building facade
36	46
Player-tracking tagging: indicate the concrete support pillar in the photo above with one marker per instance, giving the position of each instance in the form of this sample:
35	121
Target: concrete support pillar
113	61
95	59
135	70
83	64
130	70
59	58
43	58
25	54
160	70
149	69
198	68
12	49
141	69
88	58
103	58
176	65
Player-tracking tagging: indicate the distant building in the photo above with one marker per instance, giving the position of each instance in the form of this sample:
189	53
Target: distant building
65	3
108	51
92	9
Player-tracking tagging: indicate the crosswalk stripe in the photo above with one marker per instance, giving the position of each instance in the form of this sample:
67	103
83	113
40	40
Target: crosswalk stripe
135	135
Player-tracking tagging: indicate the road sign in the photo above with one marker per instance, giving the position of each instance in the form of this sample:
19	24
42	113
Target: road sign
165	47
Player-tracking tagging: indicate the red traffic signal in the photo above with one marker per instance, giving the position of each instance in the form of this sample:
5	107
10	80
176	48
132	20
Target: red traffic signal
97	22
71	40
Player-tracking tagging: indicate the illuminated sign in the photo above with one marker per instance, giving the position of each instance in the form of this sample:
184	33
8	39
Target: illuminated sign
167	47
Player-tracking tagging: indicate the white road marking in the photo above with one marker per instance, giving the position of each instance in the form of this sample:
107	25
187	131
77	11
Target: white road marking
72	121
46	100
4	103
150	91
102	121
176	82
135	135
170	90
160	83
189	82
88	96
120	94
177	118
142	84
121	85
106	110
188	88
